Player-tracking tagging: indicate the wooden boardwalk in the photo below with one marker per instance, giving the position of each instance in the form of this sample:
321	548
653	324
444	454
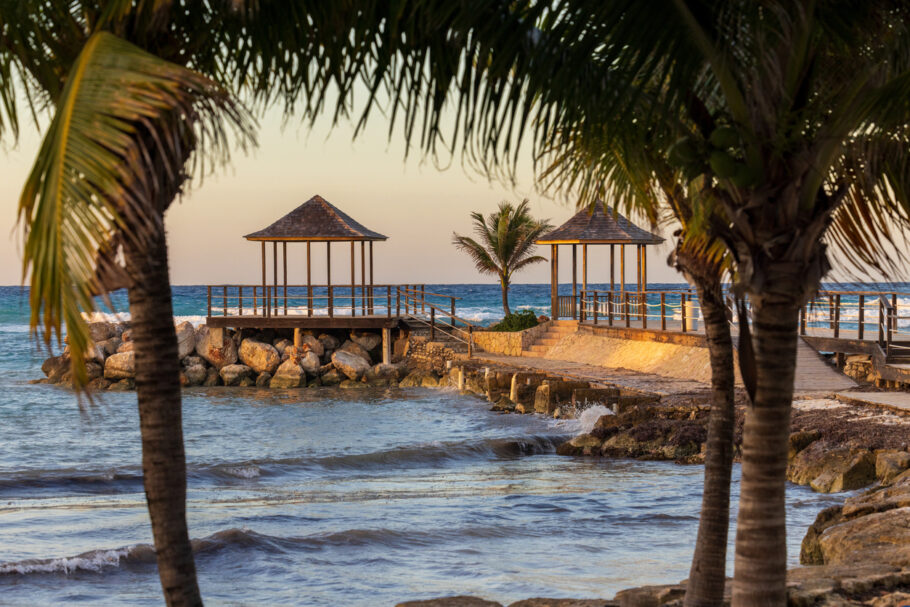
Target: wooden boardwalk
814	374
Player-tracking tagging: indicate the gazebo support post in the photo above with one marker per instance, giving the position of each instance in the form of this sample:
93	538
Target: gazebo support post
622	272
353	281
574	281
612	268
328	276
363	278
386	346
284	274
554	282
275	276
309	283
264	284
644	268
372	294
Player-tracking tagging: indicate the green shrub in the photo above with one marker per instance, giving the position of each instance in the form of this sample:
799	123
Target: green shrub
518	321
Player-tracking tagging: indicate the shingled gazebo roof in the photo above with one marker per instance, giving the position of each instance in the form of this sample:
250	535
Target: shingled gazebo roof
315	220
599	227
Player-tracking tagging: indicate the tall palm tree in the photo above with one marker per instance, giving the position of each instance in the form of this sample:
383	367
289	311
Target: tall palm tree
809	148
645	182
140	95
506	242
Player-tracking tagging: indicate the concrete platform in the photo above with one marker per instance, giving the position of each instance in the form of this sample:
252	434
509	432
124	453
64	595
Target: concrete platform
897	401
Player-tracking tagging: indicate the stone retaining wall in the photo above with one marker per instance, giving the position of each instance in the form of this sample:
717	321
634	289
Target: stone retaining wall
510	343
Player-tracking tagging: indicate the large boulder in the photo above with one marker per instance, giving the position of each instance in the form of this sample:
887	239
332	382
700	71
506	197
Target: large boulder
218	352
126	346
352	365
101	331
259	356
120	366
54	368
368	341
186	339
310	362
109	346
384	371
281	345
309	342
828	468
233	375
332	377
420	379
195	375
288	375
211	378
890	463
356	349
329	342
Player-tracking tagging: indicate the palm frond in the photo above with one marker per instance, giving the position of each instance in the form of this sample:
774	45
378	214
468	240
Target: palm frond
112	158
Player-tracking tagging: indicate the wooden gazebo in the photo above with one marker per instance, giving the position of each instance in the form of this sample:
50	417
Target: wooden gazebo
317	220
602	226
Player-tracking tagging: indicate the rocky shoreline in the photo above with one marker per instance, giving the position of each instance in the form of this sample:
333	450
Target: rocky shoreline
856	554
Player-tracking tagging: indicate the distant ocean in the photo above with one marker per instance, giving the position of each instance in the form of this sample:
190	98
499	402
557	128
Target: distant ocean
320	497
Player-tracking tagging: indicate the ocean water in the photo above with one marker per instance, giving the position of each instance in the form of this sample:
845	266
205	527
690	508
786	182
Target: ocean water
327	497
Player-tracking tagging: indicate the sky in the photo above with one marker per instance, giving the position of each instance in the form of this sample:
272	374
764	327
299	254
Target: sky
412	201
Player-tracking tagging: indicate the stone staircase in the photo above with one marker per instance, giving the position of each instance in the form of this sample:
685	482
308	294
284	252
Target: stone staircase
555	332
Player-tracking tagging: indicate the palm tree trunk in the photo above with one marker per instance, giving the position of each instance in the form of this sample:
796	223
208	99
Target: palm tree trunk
505	297
158	392
707	575
761	550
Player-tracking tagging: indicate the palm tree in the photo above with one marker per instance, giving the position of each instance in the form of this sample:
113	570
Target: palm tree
645	182
506	240
138	96
808	148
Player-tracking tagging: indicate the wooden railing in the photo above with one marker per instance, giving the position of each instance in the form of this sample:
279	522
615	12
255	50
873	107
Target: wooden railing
664	310
423	310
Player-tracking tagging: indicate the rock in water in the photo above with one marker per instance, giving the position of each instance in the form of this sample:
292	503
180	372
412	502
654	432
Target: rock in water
186	339
233	375
211	378
101	331
356	349
288	375
332	377
120	366
350	364
195	375
420	379
217	354
259	356
384	371
368	341
281	345
109	346
263	380
54	367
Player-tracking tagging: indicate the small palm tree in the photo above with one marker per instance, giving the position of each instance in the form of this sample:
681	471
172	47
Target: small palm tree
506	241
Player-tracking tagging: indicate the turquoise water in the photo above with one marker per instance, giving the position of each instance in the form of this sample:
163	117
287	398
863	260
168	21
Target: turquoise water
323	497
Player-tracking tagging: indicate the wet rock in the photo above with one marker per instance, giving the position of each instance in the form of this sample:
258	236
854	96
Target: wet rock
126	346
195	375
212	378
879	537
419	379
810	552
109	346
218	352
356	349
565	603
98	384
312	344
329	342
281	344
54	367
124	385
288	375
889	464
829	468
350	383
801	440
351	364
263	379
333	377
504	404
583	444
259	356
120	366
101	331
310	362
233	375
186	339
93	370
368	341
451	601
384	371
551	393
192	361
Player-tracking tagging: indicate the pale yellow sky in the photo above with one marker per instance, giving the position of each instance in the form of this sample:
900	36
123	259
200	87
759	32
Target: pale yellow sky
414	203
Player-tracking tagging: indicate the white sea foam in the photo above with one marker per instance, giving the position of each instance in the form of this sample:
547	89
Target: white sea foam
589	416
250	471
96	560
